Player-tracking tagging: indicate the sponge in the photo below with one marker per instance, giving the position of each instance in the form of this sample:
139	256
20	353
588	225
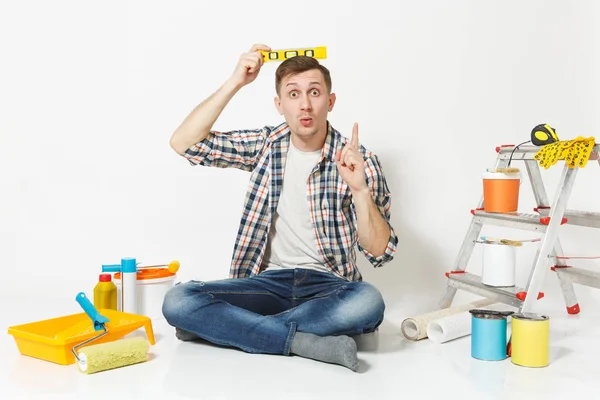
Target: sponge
111	355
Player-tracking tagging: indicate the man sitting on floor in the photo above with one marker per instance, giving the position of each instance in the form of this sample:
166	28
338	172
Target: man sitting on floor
294	286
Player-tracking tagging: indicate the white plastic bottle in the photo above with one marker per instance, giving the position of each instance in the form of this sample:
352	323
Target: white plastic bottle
129	285
128	270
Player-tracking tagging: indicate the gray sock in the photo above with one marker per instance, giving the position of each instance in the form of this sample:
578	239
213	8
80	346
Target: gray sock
331	349
185	336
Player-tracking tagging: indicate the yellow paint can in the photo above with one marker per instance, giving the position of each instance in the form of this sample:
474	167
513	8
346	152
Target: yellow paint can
530	340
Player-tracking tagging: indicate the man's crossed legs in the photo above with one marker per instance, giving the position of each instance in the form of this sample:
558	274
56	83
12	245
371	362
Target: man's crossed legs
293	311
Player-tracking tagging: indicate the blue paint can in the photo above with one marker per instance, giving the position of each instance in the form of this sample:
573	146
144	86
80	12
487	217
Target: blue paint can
488	334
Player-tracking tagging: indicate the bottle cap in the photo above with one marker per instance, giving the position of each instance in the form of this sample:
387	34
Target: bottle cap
105	278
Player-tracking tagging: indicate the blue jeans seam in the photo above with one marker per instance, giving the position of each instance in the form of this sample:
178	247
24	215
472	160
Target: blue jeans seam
332	293
289	339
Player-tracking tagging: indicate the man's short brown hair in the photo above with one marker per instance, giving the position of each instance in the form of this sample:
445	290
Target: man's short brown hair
297	65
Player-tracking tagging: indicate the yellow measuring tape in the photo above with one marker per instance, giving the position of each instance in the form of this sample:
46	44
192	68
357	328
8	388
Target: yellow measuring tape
319	52
576	152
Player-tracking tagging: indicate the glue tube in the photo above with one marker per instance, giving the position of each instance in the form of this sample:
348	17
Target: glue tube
128	271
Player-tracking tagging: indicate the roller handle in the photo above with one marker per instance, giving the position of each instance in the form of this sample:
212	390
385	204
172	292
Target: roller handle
91	311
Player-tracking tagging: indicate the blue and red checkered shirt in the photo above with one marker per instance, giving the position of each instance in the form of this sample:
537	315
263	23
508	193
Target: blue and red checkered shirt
262	152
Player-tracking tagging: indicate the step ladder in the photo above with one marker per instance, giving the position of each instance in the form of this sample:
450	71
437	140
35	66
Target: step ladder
546	219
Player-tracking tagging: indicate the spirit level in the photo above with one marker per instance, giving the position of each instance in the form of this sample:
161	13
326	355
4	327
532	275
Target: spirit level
319	52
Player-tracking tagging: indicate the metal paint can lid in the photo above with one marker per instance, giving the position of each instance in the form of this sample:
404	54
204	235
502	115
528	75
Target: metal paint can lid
530	317
489	314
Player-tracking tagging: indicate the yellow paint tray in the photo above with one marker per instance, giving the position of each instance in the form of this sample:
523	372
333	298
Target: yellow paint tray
53	339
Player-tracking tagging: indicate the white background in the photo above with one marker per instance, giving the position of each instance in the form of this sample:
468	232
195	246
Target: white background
90	94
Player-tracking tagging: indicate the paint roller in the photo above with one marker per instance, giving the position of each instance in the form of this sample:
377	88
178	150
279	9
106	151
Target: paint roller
109	355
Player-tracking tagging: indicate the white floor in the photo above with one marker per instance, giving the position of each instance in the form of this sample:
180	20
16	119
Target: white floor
391	368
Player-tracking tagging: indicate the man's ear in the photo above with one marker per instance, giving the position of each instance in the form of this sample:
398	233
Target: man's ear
331	101
278	105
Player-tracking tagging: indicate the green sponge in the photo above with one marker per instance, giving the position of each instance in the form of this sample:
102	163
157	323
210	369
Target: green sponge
111	355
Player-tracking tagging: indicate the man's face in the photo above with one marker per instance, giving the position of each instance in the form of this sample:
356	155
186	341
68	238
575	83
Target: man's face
305	102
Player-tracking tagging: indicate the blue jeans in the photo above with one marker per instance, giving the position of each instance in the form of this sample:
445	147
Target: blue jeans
262	313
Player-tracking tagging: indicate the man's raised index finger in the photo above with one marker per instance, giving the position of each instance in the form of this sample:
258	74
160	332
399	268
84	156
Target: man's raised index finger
354	140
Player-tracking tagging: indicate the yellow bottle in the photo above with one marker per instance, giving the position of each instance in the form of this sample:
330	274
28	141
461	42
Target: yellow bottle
105	293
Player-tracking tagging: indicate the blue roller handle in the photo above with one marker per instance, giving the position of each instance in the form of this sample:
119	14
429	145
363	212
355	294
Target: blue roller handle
91	311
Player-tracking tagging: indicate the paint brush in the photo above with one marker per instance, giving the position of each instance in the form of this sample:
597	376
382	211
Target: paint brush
518	243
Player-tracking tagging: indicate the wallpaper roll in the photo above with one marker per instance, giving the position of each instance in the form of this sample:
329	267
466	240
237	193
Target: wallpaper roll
458	325
415	328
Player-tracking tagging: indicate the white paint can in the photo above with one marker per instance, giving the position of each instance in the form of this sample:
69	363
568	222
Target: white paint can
499	264
152	285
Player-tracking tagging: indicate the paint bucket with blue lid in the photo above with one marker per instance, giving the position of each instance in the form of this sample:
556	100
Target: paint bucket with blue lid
488	334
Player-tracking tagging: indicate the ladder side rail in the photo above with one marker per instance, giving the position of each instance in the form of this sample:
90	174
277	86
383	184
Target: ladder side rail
568	275
566	284
541	198
542	259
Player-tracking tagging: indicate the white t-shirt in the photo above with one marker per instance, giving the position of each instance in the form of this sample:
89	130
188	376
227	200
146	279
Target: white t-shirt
292	242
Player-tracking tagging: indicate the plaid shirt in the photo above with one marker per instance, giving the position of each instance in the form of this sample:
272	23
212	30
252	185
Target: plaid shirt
263	153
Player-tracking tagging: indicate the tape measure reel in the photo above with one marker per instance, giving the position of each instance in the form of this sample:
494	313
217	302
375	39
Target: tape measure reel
543	134
319	52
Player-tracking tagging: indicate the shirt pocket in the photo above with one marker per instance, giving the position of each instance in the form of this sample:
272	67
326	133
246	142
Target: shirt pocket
337	214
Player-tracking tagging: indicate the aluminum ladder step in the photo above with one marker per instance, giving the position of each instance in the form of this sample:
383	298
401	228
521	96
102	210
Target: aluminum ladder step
513	295
531	222
575	217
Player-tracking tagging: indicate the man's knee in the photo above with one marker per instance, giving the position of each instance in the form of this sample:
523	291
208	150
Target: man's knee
172	302
180	301
372	299
365	307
